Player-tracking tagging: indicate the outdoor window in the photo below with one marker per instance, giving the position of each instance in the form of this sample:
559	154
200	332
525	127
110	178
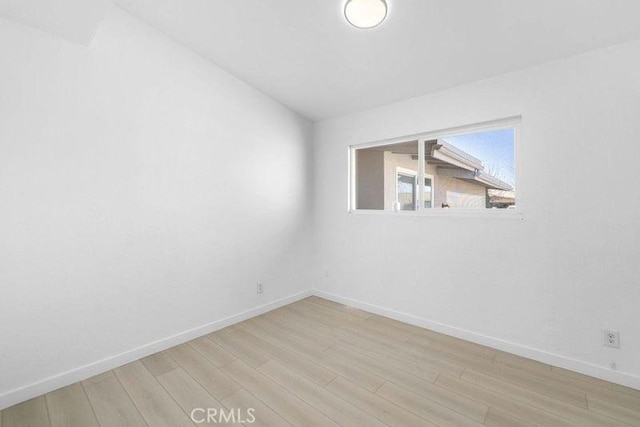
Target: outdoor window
428	191
406	195
469	169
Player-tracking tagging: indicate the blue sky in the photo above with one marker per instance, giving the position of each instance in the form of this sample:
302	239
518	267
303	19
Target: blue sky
495	148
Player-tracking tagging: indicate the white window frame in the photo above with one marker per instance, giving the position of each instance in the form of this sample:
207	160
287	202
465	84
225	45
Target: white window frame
514	122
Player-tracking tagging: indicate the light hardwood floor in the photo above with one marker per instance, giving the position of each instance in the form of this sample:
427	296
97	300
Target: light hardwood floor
316	362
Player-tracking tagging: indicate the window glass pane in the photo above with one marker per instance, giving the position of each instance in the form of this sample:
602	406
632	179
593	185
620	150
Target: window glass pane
428	193
469	171
406	192
386	177
472	171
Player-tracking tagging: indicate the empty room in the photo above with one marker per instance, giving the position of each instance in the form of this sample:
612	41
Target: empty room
319	213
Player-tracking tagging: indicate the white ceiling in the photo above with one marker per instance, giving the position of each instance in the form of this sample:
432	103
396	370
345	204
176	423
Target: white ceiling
303	53
74	20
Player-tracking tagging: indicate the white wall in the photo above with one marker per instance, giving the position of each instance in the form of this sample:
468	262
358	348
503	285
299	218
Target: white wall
554	280
143	193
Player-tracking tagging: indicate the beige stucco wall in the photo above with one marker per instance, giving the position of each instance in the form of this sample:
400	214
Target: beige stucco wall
370	179
459	194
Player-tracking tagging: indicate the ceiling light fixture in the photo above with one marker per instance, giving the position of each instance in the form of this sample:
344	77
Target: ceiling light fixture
365	13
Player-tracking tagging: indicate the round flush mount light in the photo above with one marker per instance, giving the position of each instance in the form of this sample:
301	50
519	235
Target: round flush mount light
365	13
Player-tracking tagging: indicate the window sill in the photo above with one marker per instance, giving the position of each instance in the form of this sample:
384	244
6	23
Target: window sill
447	213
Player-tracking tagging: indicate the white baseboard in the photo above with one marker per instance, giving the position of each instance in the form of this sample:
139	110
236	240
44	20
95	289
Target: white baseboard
579	366
83	372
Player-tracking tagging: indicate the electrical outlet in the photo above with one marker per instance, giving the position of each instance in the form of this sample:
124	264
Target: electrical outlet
259	288
612	339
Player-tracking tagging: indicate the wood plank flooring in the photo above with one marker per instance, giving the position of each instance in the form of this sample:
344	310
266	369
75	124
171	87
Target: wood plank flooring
319	363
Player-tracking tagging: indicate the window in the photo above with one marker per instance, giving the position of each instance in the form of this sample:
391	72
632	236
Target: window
428	191
466	169
406	194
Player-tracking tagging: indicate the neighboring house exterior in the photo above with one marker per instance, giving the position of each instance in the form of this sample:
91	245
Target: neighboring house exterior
386	179
502	199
